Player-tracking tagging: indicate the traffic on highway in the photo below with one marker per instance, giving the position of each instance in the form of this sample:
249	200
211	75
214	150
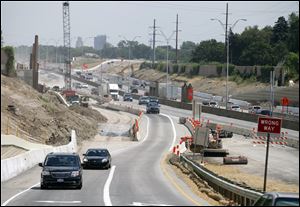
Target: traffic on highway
157	119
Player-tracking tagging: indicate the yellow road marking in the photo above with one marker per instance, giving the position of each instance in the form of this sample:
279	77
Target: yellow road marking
175	184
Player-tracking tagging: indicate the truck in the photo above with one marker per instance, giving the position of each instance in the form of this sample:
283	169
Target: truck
113	91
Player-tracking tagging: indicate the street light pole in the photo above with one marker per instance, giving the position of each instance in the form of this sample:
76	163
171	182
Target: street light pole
227	53
167	40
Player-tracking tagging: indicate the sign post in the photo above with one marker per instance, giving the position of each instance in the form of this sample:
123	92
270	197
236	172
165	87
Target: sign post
268	125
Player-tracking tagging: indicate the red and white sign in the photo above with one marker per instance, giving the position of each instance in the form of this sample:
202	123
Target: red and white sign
269	125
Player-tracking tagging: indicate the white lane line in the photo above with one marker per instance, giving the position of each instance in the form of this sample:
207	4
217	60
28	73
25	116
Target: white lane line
147	204
106	196
63	202
174	131
13	197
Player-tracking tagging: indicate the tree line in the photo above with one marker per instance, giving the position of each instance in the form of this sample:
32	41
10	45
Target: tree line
254	46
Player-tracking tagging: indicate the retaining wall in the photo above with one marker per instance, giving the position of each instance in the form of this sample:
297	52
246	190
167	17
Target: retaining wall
12	167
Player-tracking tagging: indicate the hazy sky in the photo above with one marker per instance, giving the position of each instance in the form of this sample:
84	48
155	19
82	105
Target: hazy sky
20	21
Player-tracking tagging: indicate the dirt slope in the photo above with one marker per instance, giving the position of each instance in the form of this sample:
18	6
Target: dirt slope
42	116
252	92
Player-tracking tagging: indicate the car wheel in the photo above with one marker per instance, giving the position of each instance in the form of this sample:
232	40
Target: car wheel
44	186
79	186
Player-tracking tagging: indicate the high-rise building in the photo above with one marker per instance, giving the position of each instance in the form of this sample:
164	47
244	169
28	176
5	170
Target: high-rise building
79	42
99	42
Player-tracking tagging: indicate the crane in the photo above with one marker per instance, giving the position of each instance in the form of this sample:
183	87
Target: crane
67	45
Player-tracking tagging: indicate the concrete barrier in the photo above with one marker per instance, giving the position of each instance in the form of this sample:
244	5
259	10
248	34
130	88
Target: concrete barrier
13	166
142	128
118	107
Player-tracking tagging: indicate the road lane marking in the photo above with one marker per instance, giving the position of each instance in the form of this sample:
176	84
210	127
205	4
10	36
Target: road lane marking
147	204
106	196
174	131
63	202
13	197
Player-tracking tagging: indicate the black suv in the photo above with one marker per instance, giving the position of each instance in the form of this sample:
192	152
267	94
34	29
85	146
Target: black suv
61	169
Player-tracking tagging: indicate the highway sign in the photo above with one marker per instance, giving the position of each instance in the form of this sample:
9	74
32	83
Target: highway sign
269	125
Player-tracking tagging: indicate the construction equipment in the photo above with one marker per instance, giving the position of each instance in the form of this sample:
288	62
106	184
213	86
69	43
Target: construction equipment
84	101
67	45
235	160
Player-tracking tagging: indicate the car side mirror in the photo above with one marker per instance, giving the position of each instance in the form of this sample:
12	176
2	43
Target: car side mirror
41	164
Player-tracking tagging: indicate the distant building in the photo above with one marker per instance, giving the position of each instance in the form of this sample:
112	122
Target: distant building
79	42
99	42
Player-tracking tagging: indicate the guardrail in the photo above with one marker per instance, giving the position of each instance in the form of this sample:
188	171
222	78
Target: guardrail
244	196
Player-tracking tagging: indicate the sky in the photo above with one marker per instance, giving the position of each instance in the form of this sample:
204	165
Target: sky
120	20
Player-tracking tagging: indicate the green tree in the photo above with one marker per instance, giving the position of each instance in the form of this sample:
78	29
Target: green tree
280	31
208	51
255	47
293	33
292	64
10	64
185	52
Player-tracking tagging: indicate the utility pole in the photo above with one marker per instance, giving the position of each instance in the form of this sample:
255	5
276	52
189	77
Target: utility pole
154	30
226	25
226	52
176	61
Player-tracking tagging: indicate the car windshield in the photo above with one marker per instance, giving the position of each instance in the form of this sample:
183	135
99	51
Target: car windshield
287	202
97	153
152	104
61	160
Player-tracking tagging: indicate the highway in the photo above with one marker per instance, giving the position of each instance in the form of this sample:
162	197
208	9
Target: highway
136	177
283	160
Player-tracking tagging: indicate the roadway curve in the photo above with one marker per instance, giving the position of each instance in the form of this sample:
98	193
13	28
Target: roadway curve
137	179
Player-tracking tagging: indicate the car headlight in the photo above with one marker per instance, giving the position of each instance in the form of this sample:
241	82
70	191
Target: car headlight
75	173
104	160
85	160
45	173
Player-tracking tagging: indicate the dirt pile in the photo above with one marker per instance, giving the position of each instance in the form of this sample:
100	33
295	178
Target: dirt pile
42	116
254	181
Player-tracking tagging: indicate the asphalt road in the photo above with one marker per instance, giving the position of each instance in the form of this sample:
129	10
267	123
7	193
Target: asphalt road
136	178
283	161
